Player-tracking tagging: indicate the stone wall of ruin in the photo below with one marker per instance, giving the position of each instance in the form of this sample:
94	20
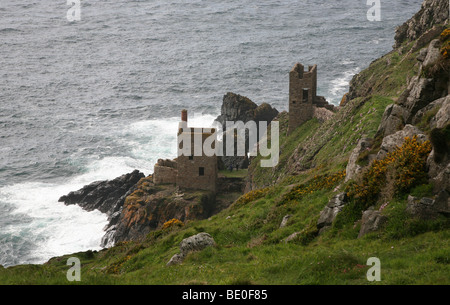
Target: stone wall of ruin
164	174
300	103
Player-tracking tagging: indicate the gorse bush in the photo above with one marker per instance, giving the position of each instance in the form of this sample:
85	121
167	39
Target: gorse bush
252	196
409	162
401	169
323	182
445	35
172	223
445	49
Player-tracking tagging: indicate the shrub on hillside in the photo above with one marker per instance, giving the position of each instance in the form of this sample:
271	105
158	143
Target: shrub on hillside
401	170
172	223
323	182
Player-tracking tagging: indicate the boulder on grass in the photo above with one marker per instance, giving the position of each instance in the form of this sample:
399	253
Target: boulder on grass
194	243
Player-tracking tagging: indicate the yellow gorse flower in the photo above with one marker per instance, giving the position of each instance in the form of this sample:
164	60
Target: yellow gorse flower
406	164
252	196
316	184
171	223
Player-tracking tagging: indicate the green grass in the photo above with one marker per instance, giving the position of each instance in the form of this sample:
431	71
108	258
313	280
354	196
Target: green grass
388	75
251	249
419	260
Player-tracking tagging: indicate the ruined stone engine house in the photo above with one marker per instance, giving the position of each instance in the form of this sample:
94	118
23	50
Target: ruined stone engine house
189	171
303	96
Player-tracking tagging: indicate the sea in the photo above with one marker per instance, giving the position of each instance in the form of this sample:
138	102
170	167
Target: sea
93	89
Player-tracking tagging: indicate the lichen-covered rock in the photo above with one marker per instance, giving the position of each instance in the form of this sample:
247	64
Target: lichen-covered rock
442	117
422	54
433	107
371	221
285	221
353	169
291	237
428	208
194	243
393	119
176	259
329	213
439	172
420	92
433	53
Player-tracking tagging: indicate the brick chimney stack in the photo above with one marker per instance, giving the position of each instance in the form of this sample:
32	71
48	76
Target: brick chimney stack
183	124
184	115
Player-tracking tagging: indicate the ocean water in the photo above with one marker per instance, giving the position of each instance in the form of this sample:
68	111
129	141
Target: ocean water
96	98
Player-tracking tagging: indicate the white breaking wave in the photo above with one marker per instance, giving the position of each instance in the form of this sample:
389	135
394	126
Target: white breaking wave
339	86
51	228
47	228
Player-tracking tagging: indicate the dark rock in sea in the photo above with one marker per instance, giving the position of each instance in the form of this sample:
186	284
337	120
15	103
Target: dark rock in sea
235	108
106	196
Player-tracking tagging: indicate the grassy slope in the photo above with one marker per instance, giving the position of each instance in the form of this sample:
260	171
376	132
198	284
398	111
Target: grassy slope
250	247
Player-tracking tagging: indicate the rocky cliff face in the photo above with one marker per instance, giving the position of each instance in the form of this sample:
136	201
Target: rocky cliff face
432	12
422	111
150	206
402	95
426	104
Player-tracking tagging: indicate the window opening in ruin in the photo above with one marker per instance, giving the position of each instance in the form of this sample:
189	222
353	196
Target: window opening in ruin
305	95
